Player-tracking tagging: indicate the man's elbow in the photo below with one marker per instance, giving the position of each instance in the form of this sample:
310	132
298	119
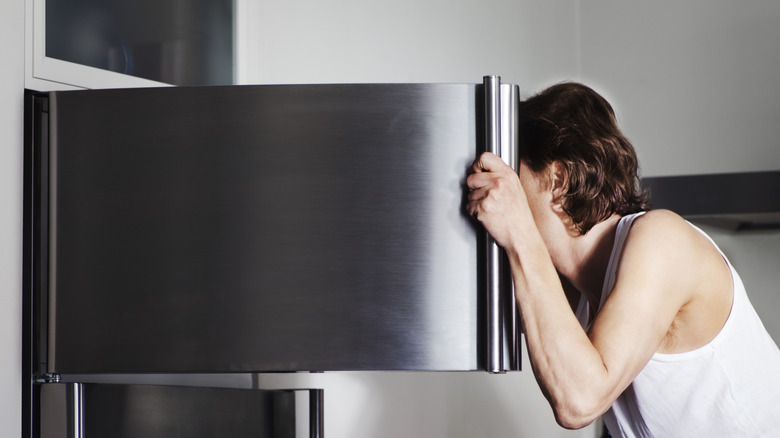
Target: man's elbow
574	423
574	416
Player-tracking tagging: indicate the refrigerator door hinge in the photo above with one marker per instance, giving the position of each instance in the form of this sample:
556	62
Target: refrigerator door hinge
48	378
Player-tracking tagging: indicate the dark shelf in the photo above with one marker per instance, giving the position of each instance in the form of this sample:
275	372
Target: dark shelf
748	200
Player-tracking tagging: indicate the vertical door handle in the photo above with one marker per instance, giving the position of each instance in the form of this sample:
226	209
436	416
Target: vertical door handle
503	342
495	342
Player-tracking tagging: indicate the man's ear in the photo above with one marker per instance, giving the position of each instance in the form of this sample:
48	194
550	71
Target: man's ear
559	181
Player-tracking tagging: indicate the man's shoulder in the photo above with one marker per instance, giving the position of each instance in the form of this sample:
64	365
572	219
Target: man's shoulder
660	242
660	225
660	218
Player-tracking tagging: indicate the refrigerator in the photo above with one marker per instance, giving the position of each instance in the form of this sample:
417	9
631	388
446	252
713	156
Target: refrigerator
179	238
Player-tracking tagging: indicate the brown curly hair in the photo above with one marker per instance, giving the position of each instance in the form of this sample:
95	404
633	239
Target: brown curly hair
571	124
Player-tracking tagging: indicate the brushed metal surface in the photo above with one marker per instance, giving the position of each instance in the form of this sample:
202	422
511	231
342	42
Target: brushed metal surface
94	410
264	228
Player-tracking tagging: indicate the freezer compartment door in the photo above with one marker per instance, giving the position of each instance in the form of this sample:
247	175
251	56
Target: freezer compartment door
92	410
263	228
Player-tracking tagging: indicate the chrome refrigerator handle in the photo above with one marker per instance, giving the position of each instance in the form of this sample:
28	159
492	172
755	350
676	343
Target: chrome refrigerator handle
495	342
503	341
510	153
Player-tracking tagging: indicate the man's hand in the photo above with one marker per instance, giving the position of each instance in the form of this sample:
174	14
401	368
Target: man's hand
497	198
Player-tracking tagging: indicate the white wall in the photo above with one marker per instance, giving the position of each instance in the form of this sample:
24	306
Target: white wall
11	104
308	41
695	83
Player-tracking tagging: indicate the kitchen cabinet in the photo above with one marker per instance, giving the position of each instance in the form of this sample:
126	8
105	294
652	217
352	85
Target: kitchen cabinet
71	44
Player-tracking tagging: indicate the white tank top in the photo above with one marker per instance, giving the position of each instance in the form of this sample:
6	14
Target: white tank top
727	388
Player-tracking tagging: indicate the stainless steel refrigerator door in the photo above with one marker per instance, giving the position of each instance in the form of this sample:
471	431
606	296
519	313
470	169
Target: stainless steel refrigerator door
264	228
96	410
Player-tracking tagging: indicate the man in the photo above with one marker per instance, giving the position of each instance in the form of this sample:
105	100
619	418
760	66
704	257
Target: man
634	315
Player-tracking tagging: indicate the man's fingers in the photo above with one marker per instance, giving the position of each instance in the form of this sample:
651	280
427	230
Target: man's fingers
473	209
477	193
485	162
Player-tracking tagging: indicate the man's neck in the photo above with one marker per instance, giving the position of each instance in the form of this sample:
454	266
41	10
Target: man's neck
587	258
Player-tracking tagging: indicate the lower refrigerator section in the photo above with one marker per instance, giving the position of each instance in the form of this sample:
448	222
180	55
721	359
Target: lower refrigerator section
96	410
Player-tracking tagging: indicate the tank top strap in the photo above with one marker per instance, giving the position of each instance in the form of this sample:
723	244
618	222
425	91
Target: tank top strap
623	226
583	309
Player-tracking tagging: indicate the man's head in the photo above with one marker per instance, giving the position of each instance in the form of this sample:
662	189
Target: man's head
574	126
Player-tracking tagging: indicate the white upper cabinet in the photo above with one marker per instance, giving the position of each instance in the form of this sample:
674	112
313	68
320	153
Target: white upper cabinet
74	44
